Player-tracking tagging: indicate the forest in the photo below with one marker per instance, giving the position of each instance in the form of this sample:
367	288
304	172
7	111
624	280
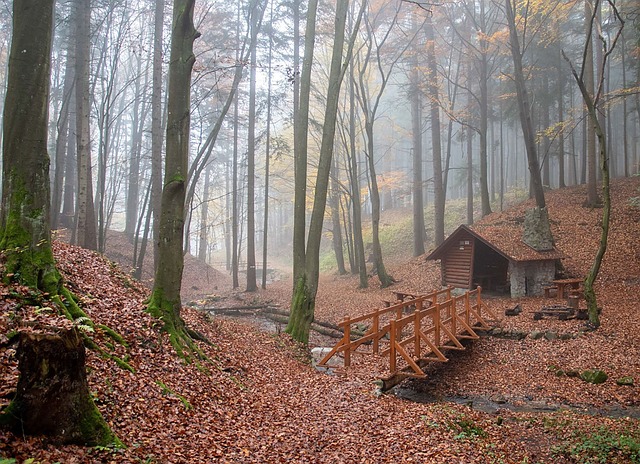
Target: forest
197	197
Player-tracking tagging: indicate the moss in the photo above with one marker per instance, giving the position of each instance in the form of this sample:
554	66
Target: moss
9	417
95	430
115	336
167	311
302	309
26	243
167	391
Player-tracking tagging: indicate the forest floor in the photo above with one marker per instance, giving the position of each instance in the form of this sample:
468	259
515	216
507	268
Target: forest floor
259	399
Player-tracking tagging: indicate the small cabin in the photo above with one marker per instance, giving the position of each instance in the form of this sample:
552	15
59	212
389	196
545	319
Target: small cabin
496	259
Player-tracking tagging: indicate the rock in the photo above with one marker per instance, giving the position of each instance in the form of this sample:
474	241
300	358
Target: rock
517	309
550	335
595	376
536	335
499	399
566	336
627	380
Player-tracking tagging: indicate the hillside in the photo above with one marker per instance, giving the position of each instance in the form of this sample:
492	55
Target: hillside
261	401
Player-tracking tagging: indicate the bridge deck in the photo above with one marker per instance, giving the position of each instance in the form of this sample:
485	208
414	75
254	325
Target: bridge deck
414	331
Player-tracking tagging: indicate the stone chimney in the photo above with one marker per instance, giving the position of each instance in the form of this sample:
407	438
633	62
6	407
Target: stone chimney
537	231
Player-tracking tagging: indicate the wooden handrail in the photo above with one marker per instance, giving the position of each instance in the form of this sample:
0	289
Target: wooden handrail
451	318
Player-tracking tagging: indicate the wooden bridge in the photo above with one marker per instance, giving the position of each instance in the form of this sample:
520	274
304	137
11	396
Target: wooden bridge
413	332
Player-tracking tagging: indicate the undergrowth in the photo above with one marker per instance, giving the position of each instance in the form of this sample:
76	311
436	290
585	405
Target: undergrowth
601	446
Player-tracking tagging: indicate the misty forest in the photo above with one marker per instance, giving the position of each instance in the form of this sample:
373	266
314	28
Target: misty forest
320	231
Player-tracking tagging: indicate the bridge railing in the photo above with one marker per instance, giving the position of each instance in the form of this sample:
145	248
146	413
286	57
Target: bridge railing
415	330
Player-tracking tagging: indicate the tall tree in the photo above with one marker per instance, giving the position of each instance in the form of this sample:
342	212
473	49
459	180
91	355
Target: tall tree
359	260
436	144
369	99
300	128
267	157
252	285
156	124
63	131
165	303
415	97
524	106
588	81
85	230
306	283
52	394
592	102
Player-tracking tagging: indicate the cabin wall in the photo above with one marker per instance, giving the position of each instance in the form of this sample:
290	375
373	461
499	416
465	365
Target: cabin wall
457	264
529	277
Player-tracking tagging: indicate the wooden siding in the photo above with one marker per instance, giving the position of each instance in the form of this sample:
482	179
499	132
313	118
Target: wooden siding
458	261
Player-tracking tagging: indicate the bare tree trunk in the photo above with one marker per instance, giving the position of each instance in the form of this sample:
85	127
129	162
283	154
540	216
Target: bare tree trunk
469	139
252	285
306	286
561	143
235	220
592	199
336	230
156	125
524	108
86	219
356	203
418	204
436	144
70	180
63	131
204	216
133	180
591	101
165	302
300	128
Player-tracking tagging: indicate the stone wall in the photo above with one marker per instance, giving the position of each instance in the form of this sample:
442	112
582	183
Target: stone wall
527	278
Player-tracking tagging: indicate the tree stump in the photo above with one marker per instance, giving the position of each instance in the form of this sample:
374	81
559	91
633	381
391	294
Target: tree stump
52	395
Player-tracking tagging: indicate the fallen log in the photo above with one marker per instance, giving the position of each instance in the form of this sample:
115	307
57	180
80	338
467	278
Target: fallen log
314	326
270	312
233	309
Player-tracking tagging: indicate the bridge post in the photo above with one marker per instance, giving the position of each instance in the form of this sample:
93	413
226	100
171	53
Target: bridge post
467	308
454	315
374	330
347	341
392	346
436	324
416	327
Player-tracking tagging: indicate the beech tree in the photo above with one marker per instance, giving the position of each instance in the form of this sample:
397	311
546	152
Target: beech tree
306	281
52	395
85	224
165	303
593	101
524	106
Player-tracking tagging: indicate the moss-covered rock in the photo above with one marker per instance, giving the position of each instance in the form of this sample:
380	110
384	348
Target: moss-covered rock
595	376
625	381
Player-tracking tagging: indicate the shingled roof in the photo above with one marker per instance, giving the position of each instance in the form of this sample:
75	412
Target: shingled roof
505	238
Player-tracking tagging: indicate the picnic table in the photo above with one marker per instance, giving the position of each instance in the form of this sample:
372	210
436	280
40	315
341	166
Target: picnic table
401	296
564	285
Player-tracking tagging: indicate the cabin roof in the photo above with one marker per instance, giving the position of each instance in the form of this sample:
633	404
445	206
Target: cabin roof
504	238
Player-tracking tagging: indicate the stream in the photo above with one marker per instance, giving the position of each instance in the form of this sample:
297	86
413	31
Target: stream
490	406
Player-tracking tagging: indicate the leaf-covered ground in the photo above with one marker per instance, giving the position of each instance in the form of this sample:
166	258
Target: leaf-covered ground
258	399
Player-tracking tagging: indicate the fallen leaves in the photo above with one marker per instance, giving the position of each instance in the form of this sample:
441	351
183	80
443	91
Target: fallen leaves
258	402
